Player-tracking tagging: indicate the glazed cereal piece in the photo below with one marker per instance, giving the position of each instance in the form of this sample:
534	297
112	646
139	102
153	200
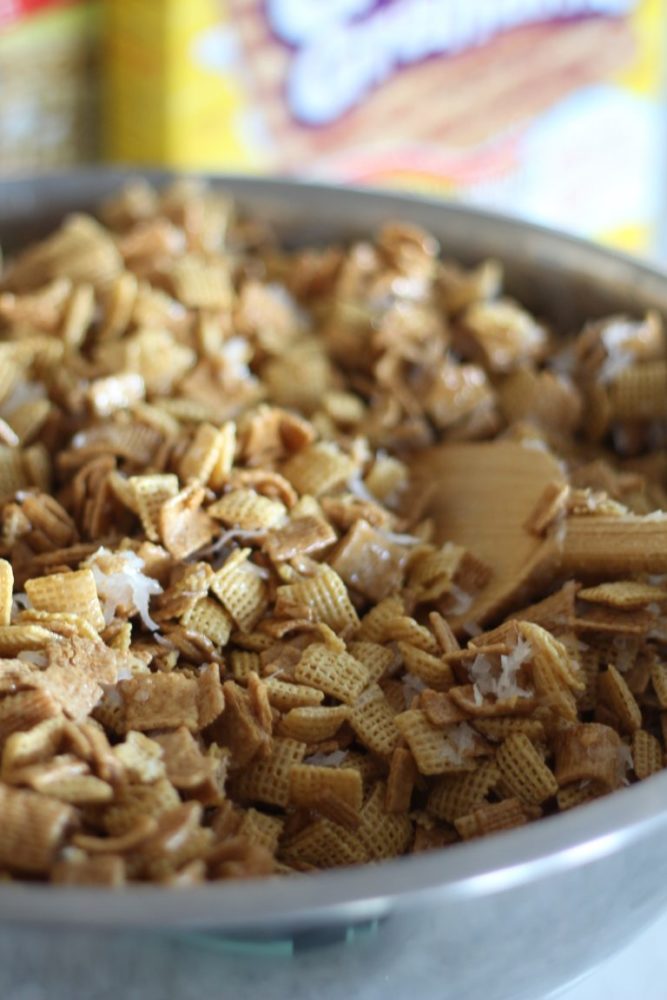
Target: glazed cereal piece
286	695
300	536
71	592
318	469
313	724
238	728
76	670
80	250
6	592
456	795
505	815
588	752
609	546
440	709
147	495
433	750
314	787
383	834
240	589
197	774
269	780
647	754
32	746
613	692
21	711
160	701
327	597
400	781
623	594
210	619
33	829
140	757
659	682
184	527
369	562
248	510
378	660
261	829
501	335
544	398
432	670
324	844
524	772
337	674
373	719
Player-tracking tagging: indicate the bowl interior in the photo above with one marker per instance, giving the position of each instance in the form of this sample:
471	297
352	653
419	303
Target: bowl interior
562	279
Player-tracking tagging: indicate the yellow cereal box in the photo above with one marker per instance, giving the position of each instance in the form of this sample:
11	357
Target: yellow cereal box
546	108
48	112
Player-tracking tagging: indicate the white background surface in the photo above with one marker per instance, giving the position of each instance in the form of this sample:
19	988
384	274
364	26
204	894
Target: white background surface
155	968
639	972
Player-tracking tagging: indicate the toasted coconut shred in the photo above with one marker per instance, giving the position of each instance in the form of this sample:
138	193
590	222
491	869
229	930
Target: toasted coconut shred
239	634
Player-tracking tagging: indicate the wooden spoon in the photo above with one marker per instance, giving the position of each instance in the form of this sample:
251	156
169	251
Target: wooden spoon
485	493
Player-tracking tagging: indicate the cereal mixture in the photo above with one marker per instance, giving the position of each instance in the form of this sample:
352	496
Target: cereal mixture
246	626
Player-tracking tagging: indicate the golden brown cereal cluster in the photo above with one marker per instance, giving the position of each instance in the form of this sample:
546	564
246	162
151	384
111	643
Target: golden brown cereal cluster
237	636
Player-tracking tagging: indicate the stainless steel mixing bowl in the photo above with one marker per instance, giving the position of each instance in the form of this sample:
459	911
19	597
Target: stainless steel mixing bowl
511	916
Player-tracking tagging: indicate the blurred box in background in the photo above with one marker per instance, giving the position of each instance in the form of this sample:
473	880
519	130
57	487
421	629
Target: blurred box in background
48	83
546	108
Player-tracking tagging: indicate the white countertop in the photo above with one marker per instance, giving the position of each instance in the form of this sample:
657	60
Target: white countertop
639	970
43	965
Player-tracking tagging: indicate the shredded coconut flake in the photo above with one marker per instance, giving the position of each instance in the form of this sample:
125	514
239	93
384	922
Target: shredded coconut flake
285	298
120	584
400	539
411	686
231	535
33	656
70	853
656	515
112	696
22	393
163	641
490	679
560	534
260	571
615	338
534	444
626	653
462	600
236	353
357	486
79	440
462	737
625	762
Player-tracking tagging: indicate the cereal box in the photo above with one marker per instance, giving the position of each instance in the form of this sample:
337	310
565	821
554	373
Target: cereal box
47	82
549	109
